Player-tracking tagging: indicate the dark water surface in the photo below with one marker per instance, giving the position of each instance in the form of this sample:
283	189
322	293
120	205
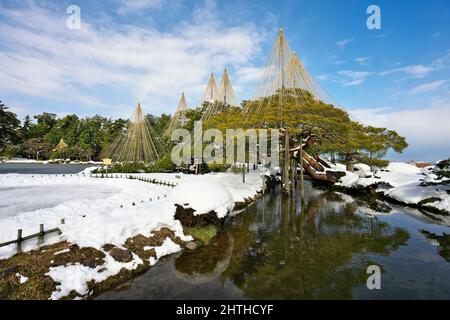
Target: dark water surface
40	168
276	249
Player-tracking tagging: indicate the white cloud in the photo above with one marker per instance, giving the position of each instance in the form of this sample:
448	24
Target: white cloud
425	129
137	6
353	78
249	74
415	70
442	62
419	71
428	87
40	57
323	77
362	60
343	43
334	60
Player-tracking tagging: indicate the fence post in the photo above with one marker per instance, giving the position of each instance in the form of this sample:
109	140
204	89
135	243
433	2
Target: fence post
41	234
19	241
62	222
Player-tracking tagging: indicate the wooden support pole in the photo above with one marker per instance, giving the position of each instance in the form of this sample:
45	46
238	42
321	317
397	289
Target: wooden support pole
41	234
19	241
292	165
302	185
62	222
295	172
263	184
286	163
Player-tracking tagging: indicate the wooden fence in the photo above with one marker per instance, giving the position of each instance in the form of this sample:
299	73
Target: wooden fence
42	232
20	238
132	177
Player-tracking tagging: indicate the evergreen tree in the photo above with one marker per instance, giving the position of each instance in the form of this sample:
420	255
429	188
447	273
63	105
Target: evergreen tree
25	130
9	127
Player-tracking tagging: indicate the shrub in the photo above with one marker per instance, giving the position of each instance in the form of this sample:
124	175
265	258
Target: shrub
218	167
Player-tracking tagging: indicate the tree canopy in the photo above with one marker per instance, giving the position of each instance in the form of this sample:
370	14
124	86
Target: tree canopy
328	129
37	137
331	129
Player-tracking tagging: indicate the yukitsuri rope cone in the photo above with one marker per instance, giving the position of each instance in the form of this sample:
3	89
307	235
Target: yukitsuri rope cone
140	143
285	77
225	96
211	91
178	119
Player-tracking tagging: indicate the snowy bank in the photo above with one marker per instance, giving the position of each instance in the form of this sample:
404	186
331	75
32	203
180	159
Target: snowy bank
204	196
404	183
100	212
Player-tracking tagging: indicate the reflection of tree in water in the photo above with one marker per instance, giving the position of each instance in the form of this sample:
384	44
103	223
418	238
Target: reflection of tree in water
316	254
441	241
207	262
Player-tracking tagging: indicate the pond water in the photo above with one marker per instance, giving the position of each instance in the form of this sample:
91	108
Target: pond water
279	249
40	168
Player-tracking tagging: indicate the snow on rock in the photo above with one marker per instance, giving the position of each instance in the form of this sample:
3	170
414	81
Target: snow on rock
349	180
168	247
400	173
22	279
62	251
75	277
403	182
203	196
364	168
443	205
88	170
411	193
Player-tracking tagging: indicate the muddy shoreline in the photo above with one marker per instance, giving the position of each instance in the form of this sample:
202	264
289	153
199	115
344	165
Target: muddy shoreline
371	191
35	264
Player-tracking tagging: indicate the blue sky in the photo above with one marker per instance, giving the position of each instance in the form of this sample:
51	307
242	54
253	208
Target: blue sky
152	50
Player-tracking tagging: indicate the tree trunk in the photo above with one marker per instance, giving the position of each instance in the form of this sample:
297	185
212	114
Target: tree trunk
315	169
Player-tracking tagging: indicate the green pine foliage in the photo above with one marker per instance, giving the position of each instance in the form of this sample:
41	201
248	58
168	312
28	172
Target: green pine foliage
330	130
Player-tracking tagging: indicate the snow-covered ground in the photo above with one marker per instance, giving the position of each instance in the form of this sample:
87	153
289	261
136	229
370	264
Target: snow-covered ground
403	182
100	211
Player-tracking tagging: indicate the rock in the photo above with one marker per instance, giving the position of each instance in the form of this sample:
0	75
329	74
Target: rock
192	245
188	219
121	255
108	247
8	271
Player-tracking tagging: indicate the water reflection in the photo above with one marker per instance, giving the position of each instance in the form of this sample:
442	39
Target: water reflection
281	248
442	242
317	250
